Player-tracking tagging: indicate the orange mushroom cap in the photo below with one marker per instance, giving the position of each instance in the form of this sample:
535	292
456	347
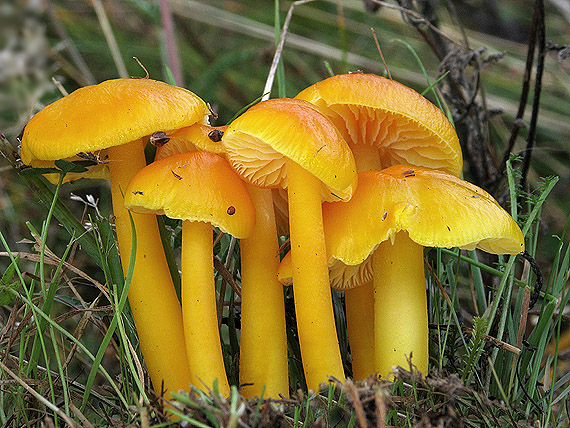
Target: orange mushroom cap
435	208
194	186
260	140
404	126
109	114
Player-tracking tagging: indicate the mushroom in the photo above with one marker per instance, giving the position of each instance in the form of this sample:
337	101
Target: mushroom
392	215
201	189
386	123
356	282
110	120
288	143
260	367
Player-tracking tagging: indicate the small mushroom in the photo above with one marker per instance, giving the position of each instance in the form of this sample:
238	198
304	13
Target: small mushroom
114	117
209	192
420	208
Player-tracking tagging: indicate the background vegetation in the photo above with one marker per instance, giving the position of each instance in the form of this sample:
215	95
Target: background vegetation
497	360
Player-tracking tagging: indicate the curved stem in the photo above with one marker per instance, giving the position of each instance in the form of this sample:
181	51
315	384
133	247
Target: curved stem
199	307
155	307
313	304
360	326
263	347
400	306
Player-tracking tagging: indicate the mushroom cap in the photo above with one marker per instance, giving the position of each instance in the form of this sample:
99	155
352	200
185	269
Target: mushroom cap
435	208
193	186
109	114
191	139
259	142
342	276
404	126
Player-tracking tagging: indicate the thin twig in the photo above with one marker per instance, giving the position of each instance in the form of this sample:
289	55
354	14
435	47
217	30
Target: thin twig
279	50
381	54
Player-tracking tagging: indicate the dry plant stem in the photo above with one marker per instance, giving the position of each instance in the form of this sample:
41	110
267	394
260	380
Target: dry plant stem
400	305
313	304
155	307
263	346
360	326
201	332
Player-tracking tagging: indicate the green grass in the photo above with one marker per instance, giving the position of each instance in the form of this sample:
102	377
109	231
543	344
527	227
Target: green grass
68	347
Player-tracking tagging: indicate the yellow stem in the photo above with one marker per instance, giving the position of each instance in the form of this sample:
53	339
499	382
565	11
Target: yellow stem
360	301
199	307
153	301
367	157
360	325
313	305
263	346
400	306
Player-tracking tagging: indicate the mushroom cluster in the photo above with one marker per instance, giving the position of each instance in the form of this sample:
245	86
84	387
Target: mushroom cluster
360	171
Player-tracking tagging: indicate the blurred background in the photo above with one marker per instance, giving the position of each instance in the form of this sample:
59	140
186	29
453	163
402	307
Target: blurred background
222	50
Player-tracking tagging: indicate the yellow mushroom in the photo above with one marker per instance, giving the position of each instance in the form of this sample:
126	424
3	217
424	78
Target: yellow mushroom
289	144
393	214
110	120
201	189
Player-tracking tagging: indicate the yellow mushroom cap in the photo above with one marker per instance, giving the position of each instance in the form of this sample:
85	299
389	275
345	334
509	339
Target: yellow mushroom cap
259	142
193	186
197	137
435	208
342	276
109	114
404	126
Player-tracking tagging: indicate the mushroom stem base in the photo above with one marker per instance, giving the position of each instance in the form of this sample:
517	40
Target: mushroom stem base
360	326
263	347
199	307
313	303
400	306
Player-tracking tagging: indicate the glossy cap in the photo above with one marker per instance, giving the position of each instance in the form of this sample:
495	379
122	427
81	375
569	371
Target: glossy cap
197	137
193	186
435	208
109	114
404	126
259	142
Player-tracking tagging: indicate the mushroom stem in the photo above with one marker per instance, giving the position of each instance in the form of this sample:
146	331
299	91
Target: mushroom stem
366	156
263	346
400	305
360	301
155	307
360	326
313	304
199	307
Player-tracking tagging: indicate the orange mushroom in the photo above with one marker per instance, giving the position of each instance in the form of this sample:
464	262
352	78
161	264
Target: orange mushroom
110	120
201	189
392	215
288	143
